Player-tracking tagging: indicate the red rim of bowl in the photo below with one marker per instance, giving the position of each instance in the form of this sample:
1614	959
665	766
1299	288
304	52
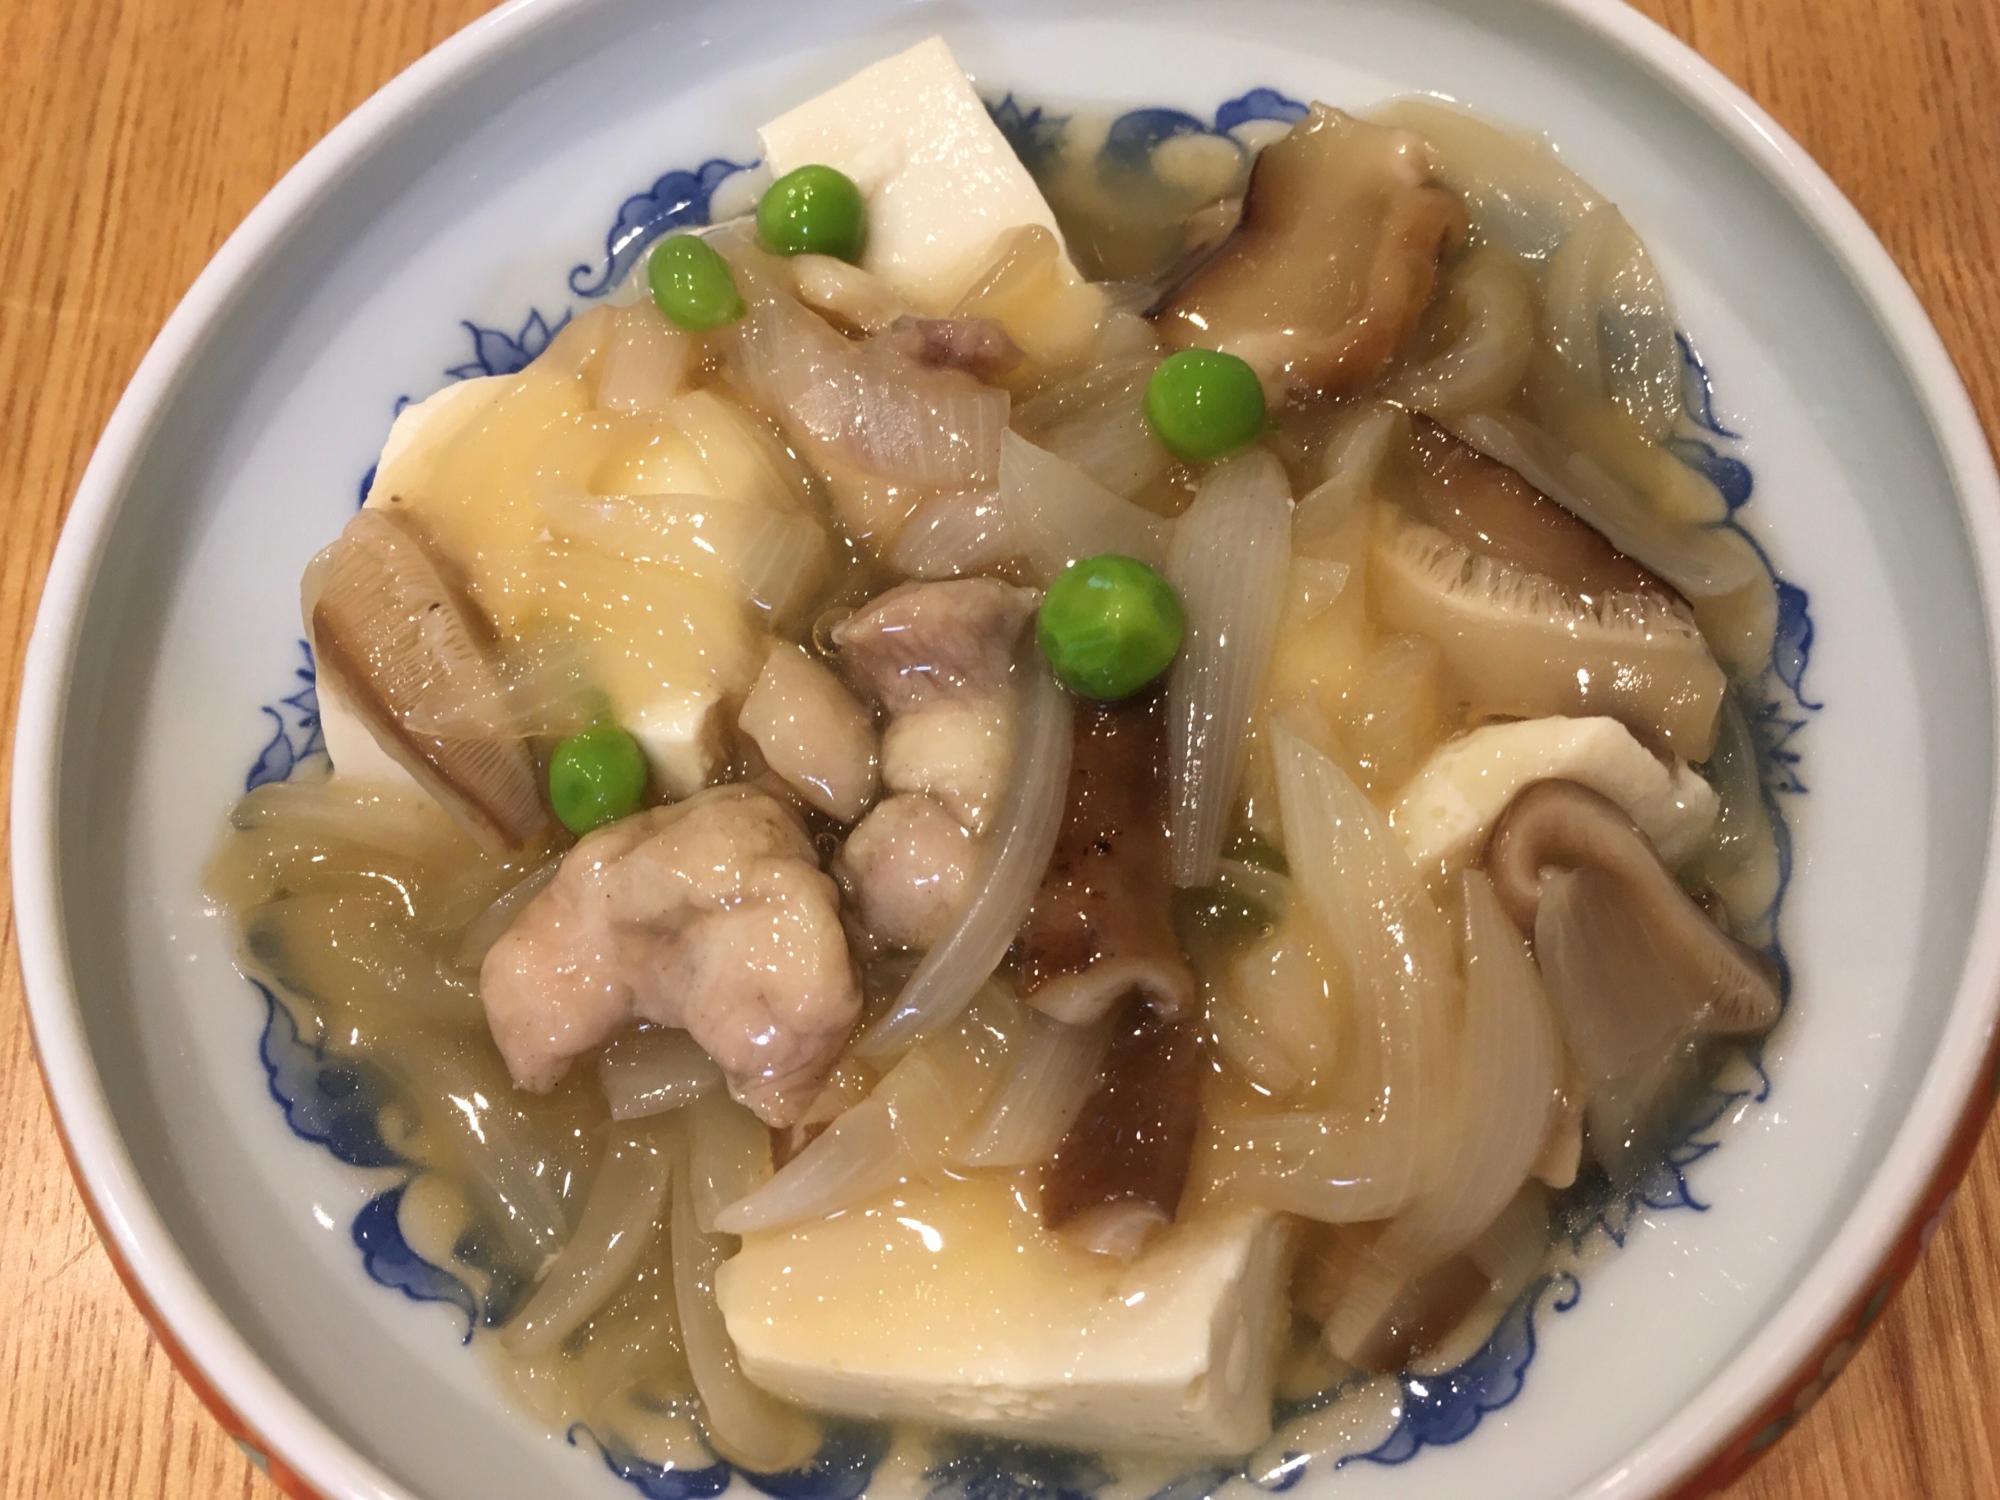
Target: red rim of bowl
1701	1449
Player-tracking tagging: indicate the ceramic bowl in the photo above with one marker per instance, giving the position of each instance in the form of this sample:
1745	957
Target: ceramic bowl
494	188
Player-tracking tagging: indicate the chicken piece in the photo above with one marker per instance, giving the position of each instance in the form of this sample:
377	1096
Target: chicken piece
711	915
939	656
924	643
812	732
908	870
957	752
978	346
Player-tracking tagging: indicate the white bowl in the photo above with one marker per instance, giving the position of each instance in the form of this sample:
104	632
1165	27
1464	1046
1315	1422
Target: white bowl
471	186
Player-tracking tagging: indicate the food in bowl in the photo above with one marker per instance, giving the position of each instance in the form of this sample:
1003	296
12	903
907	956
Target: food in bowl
1053	792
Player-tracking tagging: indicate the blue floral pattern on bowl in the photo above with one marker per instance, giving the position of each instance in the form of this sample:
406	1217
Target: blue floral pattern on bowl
335	1102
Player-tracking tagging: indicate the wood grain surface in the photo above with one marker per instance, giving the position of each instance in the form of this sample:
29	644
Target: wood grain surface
135	134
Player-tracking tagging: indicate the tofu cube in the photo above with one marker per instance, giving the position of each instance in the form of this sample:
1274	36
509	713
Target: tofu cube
940	180
950	1304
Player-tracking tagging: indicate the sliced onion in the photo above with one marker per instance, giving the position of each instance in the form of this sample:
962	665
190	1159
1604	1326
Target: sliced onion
862	405
936	1093
1230	562
854	1158
954	535
1097	421
1354	877
1293	999
619	1220
1336	1167
1486	363
729	1154
774	557
1059	514
1740	863
1360	443
1514	1246
745	1425
652	1071
1054	1070
1605	314
646	362
1700	562
505	1159
1512	1070
1030	817
489	926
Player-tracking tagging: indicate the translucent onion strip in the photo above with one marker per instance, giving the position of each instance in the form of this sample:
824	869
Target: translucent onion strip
745	1425
1354	877
1511	1075
1059	514
953	536
1055	1068
912	1123
1230	563
1029	819
1486	362
729	1155
650	1072
506	1161
485	929
862	405
620	1218
1605	314
856	1157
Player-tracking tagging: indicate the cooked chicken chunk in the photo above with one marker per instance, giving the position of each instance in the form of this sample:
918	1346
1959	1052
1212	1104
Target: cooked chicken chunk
957	752
924	643
712	915
812	732
907	868
939	657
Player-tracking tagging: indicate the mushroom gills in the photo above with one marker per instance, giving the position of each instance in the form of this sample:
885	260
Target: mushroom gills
1333	262
1518	644
405	648
1643	982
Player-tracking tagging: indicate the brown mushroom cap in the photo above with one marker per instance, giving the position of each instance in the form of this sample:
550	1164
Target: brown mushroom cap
1313	302
1729	989
1102	924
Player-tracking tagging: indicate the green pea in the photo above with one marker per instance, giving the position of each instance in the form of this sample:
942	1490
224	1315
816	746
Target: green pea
692	284
813	211
1110	625
1204	404
596	777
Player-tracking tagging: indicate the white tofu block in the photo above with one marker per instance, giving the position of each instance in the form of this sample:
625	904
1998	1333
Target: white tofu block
423	427
951	1305
1447	810
941	182
681	732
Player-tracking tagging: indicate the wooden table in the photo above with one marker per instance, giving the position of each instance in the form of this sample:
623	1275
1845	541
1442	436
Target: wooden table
134	134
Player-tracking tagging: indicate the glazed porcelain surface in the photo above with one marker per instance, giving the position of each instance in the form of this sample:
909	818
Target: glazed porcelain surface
501	186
